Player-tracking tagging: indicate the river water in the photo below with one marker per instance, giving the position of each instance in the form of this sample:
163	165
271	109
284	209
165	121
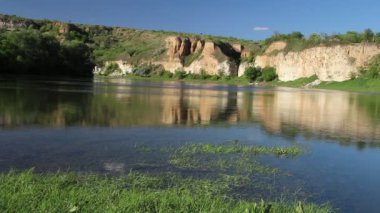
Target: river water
95	126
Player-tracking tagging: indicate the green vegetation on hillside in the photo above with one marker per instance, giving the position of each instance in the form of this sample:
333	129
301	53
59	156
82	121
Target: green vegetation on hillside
54	48
103	43
30	51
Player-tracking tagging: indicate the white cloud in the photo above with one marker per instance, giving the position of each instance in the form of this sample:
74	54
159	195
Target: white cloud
261	28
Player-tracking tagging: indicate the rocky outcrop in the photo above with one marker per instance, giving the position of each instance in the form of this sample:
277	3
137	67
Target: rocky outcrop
335	63
123	68
208	57
243	66
12	25
194	55
275	46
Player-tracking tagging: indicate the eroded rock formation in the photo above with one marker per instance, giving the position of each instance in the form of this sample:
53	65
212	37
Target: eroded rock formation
335	63
208	57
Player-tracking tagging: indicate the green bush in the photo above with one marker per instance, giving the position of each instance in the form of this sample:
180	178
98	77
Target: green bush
269	74
373	70
165	74
179	74
28	51
111	68
252	73
204	75
215	77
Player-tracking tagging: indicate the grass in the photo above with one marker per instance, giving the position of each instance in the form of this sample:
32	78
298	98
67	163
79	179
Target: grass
239	148
70	192
237	158
296	83
355	85
192	57
243	164
210	79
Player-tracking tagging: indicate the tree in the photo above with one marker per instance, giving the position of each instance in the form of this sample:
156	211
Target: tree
314	38
377	38
269	74
28	51
297	35
351	37
368	35
251	73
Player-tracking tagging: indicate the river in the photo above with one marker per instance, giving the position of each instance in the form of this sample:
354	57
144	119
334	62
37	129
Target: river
97	125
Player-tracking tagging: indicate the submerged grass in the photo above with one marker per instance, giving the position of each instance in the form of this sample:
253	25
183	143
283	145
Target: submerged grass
239	148
238	164
70	192
236	157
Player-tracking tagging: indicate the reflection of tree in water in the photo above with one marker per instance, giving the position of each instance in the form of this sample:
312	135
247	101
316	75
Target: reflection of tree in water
32	105
230	111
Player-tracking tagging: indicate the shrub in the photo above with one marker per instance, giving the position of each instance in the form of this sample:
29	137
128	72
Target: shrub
269	74
179	74
373	70
143	70
192	76
215	77
167	74
204	75
111	68
251	73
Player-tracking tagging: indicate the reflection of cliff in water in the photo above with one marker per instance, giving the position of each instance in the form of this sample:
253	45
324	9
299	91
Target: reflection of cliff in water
287	112
200	107
325	114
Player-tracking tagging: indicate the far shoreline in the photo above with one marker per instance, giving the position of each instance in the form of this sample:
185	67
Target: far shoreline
354	85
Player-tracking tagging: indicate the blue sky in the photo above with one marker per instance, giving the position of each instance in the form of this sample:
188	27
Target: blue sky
237	18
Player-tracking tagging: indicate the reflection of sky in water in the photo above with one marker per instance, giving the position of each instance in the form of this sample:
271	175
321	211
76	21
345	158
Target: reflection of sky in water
66	125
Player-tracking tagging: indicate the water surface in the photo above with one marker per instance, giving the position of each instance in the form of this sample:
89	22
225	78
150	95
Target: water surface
107	125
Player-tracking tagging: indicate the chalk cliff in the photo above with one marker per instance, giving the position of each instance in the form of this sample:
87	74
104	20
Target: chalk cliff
194	55
335	63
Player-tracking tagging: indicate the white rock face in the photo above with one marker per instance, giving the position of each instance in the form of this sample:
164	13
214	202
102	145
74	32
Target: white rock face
337	63
212	60
244	66
123	66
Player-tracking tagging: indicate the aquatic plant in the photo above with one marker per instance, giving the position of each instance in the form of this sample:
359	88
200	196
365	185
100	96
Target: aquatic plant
239	148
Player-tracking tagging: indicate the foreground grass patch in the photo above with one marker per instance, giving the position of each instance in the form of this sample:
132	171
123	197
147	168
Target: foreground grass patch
62	192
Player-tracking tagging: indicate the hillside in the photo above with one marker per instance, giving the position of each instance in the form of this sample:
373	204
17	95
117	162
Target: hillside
57	48
115	43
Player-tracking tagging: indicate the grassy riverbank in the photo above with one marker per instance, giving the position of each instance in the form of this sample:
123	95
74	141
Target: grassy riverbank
355	85
197	79
70	192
